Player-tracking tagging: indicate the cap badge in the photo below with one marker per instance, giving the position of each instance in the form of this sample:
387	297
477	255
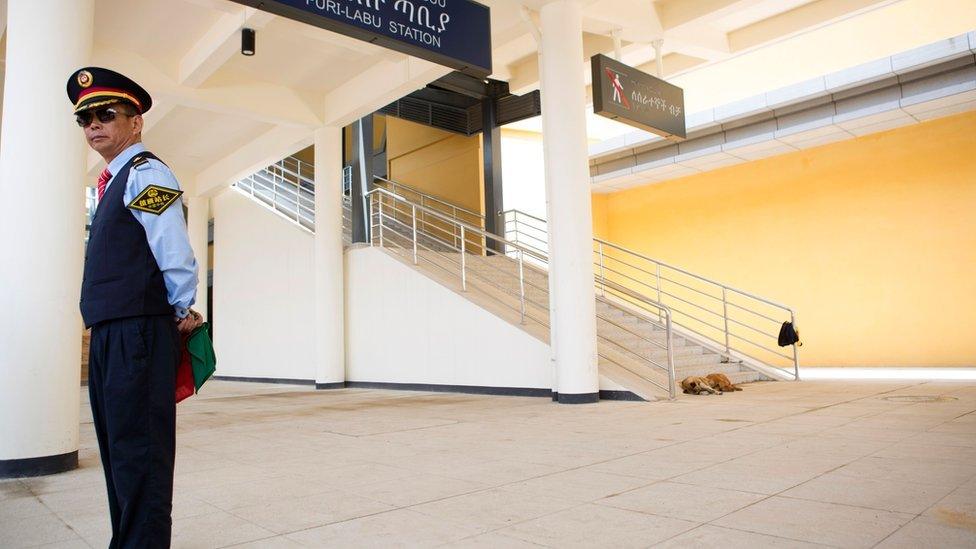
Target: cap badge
85	79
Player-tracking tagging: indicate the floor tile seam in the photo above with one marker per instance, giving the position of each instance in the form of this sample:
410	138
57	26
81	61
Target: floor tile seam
367	516
962	415
629	490
399	508
195	493
75	536
673	479
58	516
578	467
893	532
8	501
781	494
874	395
410	506
648	482
238	544
738	530
700	522
544	515
497	532
282	534
864	507
686	483
367	435
229	510
949	445
80	538
969	478
950	494
756	451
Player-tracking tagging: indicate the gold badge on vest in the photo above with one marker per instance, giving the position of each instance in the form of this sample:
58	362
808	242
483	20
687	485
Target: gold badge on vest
155	199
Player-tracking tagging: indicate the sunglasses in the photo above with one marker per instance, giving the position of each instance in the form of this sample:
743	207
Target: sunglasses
105	115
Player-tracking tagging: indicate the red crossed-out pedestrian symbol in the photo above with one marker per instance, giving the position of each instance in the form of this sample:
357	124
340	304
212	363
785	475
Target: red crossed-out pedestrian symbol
618	89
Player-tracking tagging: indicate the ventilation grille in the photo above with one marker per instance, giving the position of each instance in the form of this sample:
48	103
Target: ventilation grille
513	108
445	117
510	108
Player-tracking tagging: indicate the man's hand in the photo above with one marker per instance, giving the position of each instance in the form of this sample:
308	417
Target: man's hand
190	322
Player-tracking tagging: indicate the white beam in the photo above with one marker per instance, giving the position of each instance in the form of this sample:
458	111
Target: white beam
260	152
378	86
221	42
802	19
262	102
219	5
525	74
701	41
675	13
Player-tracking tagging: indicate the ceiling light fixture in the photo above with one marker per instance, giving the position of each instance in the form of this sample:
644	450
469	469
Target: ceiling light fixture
247	42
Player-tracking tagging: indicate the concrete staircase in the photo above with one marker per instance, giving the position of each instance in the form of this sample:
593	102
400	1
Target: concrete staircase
632	347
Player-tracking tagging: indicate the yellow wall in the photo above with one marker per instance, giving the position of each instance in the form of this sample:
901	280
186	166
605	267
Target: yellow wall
437	162
306	155
599	206
871	240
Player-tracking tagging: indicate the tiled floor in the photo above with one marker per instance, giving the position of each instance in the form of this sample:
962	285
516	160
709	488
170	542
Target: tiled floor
853	464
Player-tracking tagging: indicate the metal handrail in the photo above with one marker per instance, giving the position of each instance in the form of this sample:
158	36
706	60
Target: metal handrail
394	218
693	275
425	196
721	296
293	199
466	226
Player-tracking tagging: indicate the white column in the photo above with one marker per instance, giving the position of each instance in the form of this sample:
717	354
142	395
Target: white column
330	356
42	167
571	294
197	225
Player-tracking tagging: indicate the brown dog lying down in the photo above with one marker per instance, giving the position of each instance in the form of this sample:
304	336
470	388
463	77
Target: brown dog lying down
722	383
712	384
696	385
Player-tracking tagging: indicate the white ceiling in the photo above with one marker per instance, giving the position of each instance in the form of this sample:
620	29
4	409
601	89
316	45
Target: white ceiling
219	108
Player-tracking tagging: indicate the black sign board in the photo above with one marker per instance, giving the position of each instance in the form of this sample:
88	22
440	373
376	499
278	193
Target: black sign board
454	33
636	98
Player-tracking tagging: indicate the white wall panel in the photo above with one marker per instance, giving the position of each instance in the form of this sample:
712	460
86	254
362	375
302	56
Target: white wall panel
264	292
403	327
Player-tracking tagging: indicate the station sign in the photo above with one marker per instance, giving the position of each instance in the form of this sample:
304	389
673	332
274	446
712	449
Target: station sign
625	94
454	33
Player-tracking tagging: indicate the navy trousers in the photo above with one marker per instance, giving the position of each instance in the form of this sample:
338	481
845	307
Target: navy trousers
131	382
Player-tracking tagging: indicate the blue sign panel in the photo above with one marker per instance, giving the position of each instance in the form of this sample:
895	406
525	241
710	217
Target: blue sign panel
455	33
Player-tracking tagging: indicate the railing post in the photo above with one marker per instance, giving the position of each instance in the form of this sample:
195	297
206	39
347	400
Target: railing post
413	209
521	285
725	317
657	272
603	277
368	210
671	381
796	355
380	221
464	276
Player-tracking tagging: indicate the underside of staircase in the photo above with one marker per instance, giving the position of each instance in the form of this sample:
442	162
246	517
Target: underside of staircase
631	348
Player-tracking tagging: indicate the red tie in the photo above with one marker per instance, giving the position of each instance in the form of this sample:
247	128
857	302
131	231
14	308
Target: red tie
103	182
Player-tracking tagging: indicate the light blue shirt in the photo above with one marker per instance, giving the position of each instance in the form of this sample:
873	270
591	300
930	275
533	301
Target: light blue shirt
166	232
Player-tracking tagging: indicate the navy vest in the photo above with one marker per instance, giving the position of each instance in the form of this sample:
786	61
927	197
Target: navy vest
122	278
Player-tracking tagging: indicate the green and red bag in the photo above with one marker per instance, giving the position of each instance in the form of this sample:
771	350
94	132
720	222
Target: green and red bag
197	362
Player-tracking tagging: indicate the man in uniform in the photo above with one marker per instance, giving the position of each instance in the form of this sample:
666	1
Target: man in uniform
139	283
